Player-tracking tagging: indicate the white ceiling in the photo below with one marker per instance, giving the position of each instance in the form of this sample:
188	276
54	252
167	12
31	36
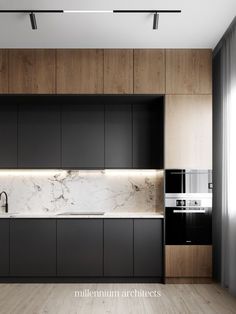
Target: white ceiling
200	25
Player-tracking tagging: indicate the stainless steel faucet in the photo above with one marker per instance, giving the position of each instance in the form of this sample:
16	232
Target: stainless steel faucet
6	203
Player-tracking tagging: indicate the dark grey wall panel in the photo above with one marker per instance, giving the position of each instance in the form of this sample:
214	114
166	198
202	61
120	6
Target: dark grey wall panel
8	134
33	247
39	135
118	133
118	247
4	247
83	135
80	247
217	166
148	247
148	141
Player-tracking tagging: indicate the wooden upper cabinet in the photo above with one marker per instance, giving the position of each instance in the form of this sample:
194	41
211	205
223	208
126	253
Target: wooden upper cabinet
32	71
80	71
188	132
149	71
3	71
188	71
118	71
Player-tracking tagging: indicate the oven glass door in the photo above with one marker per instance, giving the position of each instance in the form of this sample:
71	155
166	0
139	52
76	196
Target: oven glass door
188	226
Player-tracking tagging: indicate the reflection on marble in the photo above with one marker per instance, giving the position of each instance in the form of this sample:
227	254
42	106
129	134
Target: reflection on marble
118	191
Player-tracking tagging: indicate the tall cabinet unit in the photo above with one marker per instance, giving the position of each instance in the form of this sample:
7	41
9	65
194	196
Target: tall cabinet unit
188	145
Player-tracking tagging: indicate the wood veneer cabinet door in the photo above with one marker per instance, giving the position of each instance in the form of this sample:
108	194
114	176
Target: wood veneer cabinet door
80	71
188	261
32	71
188	71
149	71
118	71
188	132
3	71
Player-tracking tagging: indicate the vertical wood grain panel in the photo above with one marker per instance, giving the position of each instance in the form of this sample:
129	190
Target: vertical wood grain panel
32	71
118	71
188	71
188	261
149	71
80	71
3	71
188	132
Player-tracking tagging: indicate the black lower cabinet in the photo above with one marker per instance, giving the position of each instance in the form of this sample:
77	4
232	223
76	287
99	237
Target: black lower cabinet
148	247
33	247
4	247
80	247
118	247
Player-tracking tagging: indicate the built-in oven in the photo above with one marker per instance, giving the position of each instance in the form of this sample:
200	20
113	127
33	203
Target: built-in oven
188	206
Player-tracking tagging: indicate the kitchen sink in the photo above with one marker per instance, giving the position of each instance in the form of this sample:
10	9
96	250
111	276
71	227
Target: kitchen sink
74	213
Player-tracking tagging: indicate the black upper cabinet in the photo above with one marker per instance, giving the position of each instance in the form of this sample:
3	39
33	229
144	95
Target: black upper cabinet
148	256
148	124
39	134
33	247
80	247
118	133
4	247
8	135
83	134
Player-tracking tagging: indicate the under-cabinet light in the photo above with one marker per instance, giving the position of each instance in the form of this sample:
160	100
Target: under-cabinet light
30	172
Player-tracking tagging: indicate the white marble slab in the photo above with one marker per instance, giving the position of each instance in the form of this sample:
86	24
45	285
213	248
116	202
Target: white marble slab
106	215
48	192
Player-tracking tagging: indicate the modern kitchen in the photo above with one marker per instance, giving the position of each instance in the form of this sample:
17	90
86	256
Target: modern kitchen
117	160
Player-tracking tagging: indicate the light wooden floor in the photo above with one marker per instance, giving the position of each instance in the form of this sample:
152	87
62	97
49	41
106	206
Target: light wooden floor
60	298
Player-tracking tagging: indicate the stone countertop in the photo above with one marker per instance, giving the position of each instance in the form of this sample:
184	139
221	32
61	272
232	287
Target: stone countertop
106	215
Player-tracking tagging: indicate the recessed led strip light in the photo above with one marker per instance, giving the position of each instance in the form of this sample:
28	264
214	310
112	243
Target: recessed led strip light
33	22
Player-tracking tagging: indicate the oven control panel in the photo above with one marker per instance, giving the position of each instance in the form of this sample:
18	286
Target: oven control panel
188	203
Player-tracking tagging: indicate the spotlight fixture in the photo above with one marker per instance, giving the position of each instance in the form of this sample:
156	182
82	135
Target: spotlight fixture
34	24
155	20
33	21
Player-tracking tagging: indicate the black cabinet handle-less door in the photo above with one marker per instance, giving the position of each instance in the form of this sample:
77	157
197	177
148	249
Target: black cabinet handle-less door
8	135
118	133
118	247
83	134
148	247
39	136
33	247
4	247
148	141
80	247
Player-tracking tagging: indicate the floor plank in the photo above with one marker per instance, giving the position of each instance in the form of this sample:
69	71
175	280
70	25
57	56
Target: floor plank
60	299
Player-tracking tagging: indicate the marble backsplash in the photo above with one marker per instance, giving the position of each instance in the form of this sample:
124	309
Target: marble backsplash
51	191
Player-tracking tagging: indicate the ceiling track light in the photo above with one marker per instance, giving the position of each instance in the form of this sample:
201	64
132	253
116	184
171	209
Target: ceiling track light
34	23
155	20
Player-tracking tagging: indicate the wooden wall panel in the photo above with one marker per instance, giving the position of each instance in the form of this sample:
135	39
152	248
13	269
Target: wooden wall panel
188	71
3	71
80	71
188	261
118	71
149	71
32	71
188	132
